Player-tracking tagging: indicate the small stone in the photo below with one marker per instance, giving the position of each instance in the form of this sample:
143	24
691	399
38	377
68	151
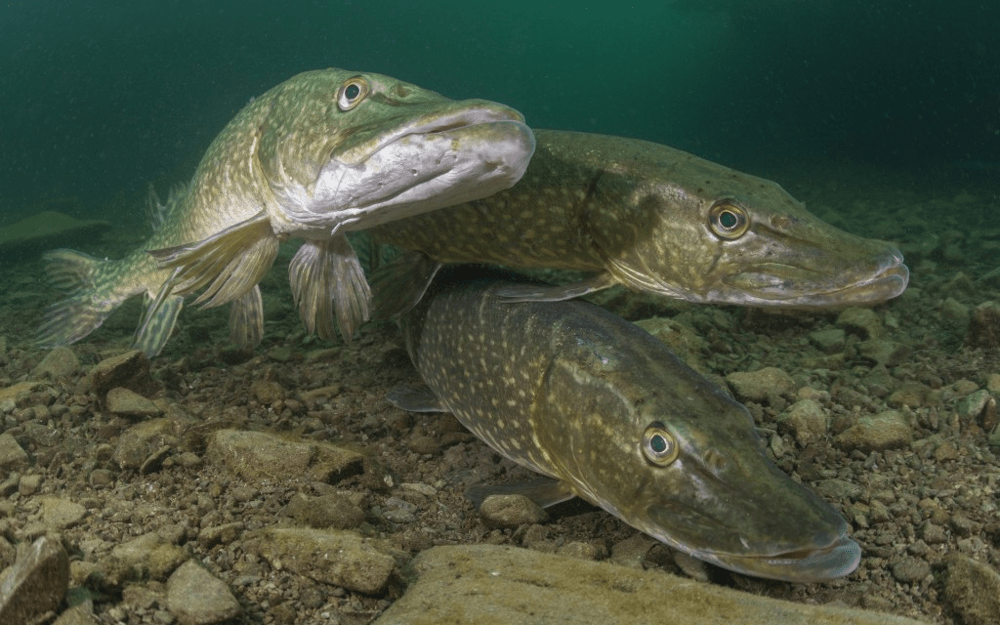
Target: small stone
863	321
36	584
910	570
80	614
142	440
886	430
196	597
973	404
148	556
122	401
973	590
760	385
631	552
828	341
267	392
224	534
333	511
500	511
58	363
59	513
884	351
807	421
984	326
424	445
911	395
12	457
129	370
29	484
933	534
257	456
839	490
329	557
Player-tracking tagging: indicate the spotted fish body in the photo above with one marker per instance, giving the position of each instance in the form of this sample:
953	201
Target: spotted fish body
323	153
590	400
658	220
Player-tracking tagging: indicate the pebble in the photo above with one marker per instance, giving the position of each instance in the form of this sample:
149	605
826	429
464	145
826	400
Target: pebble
142	440
129	370
478	582
223	534
973	404
502	511
36	584
329	557
910	570
260	456
58	363
149	553
122	401
29	484
760	385
807	421
863	321
59	513
886	430
333	511
828	341
11	396
196	597
12	457
973	590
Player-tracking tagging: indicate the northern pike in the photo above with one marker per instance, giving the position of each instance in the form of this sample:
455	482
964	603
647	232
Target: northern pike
321	154
654	219
609	414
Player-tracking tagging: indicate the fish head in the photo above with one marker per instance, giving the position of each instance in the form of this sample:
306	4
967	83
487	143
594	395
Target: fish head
706	233
683	462
350	150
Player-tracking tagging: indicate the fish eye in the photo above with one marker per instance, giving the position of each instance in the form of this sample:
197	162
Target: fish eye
728	220
658	445
352	92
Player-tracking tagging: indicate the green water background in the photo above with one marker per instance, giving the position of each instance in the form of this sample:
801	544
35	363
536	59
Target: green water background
98	99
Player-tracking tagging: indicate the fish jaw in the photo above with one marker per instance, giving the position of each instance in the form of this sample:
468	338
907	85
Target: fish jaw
836	560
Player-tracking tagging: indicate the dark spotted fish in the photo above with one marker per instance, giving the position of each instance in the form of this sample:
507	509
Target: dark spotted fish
655	219
324	153
611	415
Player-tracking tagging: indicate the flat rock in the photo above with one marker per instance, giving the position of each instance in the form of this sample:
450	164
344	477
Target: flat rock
258	456
142	440
863	321
59	513
36	584
123	401
12	457
196	597
973	590
499	511
487	584
807	421
330	557
11	395
58	363
332	511
886	430
129	370
149	555
760	385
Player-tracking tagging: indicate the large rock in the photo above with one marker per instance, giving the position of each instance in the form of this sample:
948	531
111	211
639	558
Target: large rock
973	590
36	584
487	584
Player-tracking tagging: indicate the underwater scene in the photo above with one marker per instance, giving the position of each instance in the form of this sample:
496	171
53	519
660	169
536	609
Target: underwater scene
380	312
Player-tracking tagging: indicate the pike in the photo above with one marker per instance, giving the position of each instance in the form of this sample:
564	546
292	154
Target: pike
324	153
654	219
608	413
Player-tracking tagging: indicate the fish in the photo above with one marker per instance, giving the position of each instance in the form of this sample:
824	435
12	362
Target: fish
608	413
324	153
654	219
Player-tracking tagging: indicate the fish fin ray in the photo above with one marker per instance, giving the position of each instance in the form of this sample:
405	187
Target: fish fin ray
415	399
70	319
226	264
516	293
544	491
158	322
328	283
246	319
400	284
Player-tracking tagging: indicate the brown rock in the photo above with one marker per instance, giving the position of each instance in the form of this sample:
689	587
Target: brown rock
36	584
129	370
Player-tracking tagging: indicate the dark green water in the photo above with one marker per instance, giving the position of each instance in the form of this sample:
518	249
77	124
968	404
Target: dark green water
97	99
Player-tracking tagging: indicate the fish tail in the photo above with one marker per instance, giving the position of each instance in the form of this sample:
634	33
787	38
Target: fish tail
86	281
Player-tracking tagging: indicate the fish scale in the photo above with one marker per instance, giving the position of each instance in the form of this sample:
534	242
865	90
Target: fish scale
608	413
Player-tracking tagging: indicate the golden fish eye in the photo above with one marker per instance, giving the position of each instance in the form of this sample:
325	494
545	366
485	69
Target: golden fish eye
728	221
352	92
658	445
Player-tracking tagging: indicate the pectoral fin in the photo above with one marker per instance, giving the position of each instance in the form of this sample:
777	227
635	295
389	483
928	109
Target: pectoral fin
227	264
415	399
399	285
541	293
327	282
545	491
246	319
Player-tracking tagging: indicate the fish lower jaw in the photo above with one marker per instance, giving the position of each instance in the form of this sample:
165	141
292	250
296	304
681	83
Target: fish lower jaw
837	560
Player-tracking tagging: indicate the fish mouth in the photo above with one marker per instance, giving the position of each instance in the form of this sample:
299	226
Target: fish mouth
838	559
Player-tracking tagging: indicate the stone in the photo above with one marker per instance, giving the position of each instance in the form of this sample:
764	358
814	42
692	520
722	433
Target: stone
223	534
973	590
58	363
984	326
122	401
807	421
910	570
12	457
477	582
129	370
884	351
257	456
80	614
863	321
332	511
267	392
973	404
139	442
329	557
149	555
29	484
500	511
886	430
679	337
59	513
196	597
36	584
760	385
828	341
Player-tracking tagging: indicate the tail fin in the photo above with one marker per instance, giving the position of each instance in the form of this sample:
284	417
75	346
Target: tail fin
73	318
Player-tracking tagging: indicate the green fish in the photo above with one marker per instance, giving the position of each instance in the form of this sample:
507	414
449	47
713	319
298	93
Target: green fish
608	413
324	153
654	219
